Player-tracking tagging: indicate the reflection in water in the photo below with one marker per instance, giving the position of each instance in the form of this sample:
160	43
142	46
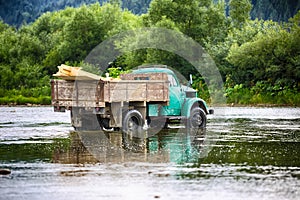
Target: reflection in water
169	145
74	153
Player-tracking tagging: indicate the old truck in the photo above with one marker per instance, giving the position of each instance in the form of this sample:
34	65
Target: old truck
148	97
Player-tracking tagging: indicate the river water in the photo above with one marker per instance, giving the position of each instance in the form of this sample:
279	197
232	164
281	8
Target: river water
245	153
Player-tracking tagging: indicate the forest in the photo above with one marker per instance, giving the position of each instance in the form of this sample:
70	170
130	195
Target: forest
259	59
18	12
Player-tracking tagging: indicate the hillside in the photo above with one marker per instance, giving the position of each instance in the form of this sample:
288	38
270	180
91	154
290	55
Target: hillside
18	12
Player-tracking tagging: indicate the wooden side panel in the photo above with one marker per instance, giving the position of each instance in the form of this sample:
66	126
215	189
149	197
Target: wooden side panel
62	92
140	90
95	93
76	93
143	87
85	94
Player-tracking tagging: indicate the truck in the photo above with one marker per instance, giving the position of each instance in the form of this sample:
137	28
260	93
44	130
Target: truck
149	97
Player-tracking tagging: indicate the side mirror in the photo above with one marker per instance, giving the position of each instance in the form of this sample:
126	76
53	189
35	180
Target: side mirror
191	79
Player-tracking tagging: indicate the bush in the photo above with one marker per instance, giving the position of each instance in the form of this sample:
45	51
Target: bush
25	96
262	95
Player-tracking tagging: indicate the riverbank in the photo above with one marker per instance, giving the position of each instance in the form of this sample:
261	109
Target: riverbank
241	95
216	105
46	101
27	101
244	98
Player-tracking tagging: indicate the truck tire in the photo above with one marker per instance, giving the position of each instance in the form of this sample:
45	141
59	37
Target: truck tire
197	118
132	123
132	130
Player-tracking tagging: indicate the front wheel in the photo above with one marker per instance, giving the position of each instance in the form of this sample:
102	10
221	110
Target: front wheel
197	118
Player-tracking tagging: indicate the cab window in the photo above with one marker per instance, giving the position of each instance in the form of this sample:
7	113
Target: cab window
172	81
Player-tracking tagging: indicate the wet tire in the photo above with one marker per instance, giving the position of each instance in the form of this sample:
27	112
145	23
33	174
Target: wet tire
132	130
197	118
132	123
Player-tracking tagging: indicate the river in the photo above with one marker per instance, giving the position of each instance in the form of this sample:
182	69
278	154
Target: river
245	153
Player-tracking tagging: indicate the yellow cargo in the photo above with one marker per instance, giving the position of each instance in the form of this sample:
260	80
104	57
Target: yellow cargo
74	73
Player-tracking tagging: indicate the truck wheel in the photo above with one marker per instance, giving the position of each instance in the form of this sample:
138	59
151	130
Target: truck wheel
197	118
132	130
132	123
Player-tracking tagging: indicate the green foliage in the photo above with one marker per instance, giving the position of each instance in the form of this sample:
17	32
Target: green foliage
23	12
239	11
272	56
18	13
30	55
202	89
259	60
25	96
202	20
262	95
115	72
21	100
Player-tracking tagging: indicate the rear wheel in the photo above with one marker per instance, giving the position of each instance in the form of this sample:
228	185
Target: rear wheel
132	130
132	123
197	118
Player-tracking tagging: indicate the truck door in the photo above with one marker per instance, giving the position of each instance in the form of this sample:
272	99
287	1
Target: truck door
176	98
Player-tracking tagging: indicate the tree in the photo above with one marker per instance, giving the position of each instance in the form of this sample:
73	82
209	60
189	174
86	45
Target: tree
239	11
202	20
81	34
272	56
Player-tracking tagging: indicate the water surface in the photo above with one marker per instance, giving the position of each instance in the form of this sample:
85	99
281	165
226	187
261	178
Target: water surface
247	153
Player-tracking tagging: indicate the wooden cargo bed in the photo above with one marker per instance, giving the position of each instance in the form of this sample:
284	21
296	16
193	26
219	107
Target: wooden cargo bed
92	93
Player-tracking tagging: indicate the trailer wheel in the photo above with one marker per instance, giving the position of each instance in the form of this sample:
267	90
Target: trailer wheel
132	129
197	118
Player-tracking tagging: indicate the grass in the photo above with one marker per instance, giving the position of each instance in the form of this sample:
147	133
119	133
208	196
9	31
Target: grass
21	100
24	96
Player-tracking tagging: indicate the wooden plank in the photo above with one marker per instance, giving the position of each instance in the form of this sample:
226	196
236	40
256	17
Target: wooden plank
74	73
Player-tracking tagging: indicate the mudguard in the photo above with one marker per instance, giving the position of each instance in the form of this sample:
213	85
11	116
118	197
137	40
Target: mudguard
188	104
